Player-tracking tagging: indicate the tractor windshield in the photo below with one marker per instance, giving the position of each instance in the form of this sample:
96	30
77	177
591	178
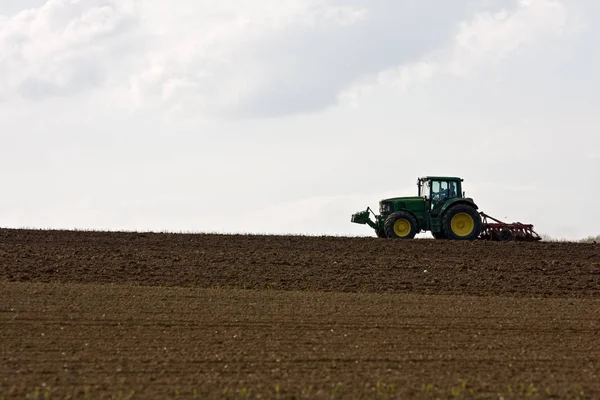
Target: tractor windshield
442	190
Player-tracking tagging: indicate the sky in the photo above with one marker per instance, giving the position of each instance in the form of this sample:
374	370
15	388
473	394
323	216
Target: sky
287	116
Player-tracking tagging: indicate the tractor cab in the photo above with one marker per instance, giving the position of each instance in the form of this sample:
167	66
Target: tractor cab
435	190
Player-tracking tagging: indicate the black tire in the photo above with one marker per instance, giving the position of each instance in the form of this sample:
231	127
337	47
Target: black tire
506	235
439	235
380	234
398	217
462	209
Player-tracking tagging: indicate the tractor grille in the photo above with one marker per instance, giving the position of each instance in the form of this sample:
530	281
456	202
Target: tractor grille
385	208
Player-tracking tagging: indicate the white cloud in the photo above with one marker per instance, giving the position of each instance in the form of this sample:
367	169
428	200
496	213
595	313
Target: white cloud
488	38
215	58
204	64
224	58
65	46
482	41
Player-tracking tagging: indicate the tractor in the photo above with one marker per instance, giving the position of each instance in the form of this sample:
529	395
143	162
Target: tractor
441	208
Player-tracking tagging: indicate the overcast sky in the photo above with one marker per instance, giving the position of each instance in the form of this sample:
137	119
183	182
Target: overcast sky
286	116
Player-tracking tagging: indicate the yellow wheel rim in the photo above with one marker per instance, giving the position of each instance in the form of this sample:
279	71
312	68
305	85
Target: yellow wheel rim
402	227
462	224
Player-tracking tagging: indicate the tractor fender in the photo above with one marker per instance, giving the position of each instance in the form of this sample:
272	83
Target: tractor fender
452	202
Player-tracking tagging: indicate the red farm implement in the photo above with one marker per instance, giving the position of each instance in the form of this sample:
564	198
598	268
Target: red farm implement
502	231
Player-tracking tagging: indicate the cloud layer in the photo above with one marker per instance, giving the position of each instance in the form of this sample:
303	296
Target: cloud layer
297	112
222	58
480	42
64	47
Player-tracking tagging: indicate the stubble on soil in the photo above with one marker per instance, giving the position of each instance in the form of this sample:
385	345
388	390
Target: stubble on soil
112	315
155	342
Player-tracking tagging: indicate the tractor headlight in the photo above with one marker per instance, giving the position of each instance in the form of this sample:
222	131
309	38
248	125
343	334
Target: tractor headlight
385	208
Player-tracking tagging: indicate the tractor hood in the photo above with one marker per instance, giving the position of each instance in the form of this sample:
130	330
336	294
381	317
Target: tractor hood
411	203
396	199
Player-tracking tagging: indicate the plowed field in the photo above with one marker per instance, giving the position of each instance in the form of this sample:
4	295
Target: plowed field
141	315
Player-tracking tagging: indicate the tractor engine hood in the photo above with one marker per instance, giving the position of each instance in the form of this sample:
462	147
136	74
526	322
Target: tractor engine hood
387	206
397	199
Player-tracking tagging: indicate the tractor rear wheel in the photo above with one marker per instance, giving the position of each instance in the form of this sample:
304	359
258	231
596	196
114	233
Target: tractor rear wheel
401	225
461	222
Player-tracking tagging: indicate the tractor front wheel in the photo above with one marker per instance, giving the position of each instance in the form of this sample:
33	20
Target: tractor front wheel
401	225
461	222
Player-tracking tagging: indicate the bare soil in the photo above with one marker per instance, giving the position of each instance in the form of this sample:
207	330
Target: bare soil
129	315
303	263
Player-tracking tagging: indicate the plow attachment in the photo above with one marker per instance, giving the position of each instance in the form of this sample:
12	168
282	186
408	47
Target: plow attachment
502	231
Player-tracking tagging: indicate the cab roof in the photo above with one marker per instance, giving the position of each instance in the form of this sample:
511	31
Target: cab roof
443	178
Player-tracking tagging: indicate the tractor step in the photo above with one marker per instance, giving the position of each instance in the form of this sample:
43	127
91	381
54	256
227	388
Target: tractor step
502	231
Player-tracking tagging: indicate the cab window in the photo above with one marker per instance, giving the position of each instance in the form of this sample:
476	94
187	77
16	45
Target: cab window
453	191
438	190
441	190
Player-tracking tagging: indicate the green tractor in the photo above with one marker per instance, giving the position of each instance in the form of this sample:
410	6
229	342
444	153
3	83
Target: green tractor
440	207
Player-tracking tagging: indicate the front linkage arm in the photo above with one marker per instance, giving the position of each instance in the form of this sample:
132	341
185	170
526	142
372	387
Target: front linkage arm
363	217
